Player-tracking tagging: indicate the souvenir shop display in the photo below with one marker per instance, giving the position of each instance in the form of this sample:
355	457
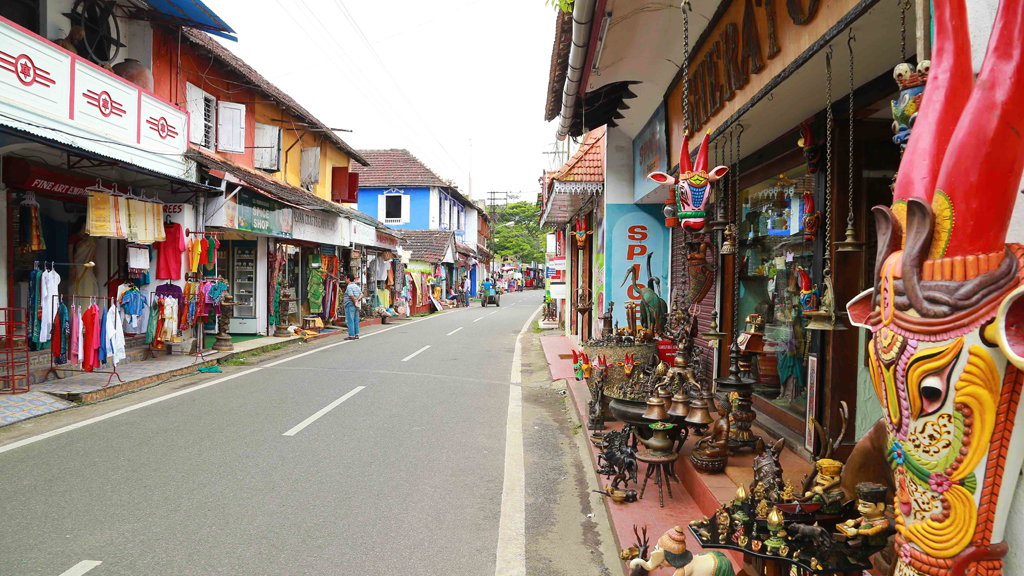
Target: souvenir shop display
91	336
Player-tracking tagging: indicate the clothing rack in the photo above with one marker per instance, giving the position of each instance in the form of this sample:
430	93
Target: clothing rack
203	233
57	298
199	336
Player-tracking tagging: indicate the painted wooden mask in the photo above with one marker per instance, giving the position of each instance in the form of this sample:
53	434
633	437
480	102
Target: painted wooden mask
692	191
946	313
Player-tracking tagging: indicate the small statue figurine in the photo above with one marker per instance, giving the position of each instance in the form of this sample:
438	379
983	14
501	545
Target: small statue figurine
778	534
758	491
724	522
671	550
739	534
711	453
762	510
739	501
906	108
873	526
827	490
809	298
812	219
787	493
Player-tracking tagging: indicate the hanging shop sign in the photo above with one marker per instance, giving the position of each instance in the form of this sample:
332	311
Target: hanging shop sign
560	243
558	291
750	43
250	212
75	102
19	173
386	240
557	263
649	154
319	227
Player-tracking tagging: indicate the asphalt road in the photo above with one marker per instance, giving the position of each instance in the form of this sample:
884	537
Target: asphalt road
384	455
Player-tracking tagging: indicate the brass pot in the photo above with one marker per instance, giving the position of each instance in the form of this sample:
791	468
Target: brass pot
659	443
134	72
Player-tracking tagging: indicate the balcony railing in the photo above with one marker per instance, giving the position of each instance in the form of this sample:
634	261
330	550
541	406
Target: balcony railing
50	92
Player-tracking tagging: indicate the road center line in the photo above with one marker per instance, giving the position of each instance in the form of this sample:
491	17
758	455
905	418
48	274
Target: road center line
478	319
322	411
454	331
81	568
413	355
511	554
492	313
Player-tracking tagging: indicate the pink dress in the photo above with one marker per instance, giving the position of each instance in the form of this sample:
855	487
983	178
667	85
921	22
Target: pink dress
73	344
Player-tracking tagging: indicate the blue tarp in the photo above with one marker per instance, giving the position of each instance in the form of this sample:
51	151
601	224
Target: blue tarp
193	14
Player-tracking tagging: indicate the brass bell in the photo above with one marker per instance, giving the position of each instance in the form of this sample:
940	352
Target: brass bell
712	402
680	405
656	409
665	394
699	414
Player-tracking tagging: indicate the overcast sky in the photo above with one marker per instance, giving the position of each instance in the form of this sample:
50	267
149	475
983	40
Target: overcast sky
449	72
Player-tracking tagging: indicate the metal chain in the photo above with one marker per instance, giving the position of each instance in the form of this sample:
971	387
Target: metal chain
849	214
828	163
736	259
686	68
904	4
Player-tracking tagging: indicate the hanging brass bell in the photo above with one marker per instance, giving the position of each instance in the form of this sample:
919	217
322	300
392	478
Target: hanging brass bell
656	409
699	414
680	405
823	320
665	394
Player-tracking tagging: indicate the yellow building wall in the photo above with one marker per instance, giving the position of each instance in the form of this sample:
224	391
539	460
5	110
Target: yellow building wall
291	162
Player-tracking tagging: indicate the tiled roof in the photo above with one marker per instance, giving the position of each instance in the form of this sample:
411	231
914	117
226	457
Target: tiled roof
463	249
587	164
395	167
282	191
427	245
559	64
398	167
237	65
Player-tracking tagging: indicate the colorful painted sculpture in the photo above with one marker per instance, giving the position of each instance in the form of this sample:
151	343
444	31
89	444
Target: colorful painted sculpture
627	364
700	275
671	550
809	298
692	190
872	527
812	151
906	107
946	313
580	232
812	219
827	489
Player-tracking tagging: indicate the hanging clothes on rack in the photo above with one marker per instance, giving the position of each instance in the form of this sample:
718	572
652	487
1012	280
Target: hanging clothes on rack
61	334
169	252
114	335
31	226
91	338
73	320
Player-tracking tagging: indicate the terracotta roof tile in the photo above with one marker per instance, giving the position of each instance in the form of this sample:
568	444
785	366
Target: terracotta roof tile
587	164
427	245
238	66
559	64
399	167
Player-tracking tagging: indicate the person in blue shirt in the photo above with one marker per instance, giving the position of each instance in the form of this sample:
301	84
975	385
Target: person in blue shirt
353	295
487	287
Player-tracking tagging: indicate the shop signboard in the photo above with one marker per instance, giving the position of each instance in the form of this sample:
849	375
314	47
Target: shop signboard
560	243
751	44
80	104
550	243
650	154
363	234
557	263
257	213
558	291
19	173
667	351
319	227
634	232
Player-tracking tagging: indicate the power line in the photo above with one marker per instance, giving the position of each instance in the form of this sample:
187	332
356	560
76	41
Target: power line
373	101
366	41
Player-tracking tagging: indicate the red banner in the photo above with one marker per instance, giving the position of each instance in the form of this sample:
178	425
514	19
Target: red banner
18	173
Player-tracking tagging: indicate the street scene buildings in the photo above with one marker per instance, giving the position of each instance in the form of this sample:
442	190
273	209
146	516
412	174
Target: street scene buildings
757	310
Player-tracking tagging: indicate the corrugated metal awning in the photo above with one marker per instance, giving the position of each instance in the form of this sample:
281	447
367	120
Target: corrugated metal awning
192	14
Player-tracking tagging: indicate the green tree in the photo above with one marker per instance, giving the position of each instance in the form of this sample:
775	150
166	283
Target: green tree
517	232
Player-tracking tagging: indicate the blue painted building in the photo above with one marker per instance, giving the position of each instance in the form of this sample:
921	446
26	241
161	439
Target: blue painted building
401	191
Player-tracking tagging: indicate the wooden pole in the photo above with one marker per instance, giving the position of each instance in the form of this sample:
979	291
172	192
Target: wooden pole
924	29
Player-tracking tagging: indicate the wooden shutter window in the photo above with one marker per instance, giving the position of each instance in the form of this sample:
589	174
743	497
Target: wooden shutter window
406	208
267	152
309	171
353	187
339	184
195	104
231	127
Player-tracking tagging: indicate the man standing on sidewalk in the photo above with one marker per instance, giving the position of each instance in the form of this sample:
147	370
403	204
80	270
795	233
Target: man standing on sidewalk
353	295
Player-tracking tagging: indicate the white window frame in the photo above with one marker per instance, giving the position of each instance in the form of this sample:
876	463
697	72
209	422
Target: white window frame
275	160
202	130
404	207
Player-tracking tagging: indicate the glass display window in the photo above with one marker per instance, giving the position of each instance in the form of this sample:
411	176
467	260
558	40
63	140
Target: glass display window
775	254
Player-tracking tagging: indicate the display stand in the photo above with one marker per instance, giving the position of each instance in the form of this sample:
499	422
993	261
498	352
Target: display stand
14	378
55	367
